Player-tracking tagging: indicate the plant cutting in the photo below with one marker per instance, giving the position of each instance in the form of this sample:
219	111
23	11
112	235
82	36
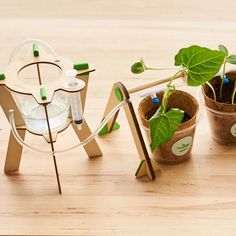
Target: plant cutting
171	122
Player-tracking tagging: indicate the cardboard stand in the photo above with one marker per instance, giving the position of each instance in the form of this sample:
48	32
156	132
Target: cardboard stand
119	93
43	94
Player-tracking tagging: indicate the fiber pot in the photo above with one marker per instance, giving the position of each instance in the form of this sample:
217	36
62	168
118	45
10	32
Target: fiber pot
178	149
221	116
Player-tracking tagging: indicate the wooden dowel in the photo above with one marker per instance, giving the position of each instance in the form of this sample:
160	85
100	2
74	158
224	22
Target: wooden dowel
156	82
52	148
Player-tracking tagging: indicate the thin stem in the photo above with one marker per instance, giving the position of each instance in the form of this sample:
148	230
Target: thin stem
212	89
234	91
222	80
168	92
163	68
175	76
166	97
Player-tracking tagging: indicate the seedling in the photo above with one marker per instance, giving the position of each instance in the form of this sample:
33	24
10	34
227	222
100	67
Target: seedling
200	65
224	80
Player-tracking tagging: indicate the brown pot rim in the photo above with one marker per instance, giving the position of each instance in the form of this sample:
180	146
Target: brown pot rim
216	102
216	109
183	126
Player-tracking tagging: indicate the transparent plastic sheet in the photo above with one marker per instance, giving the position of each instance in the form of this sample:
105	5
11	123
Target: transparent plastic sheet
28	41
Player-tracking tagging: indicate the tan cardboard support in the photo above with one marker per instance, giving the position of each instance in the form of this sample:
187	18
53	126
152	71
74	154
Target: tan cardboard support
119	93
7	102
92	149
14	150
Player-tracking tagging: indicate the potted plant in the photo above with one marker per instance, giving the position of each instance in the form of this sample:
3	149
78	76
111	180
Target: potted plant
170	122
219	101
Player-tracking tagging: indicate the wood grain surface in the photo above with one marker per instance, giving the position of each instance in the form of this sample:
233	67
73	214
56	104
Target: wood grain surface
101	196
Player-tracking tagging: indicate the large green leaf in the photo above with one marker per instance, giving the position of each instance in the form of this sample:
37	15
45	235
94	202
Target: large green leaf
163	127
202	63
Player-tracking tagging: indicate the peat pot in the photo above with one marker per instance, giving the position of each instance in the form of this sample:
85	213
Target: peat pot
178	149
221	116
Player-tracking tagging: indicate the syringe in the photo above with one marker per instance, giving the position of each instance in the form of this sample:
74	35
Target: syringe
75	98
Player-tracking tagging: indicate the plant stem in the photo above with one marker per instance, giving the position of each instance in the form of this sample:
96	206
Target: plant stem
166	97
175	76
212	89
234	91
222	80
164	68
168	92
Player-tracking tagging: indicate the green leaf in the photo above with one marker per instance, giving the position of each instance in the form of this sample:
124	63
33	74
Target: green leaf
223	49
163	127
138	67
232	59
201	63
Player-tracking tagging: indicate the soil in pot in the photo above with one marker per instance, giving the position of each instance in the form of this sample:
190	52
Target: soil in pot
178	149
221	114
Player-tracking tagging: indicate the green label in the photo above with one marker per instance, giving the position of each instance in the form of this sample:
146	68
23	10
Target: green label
233	130
182	146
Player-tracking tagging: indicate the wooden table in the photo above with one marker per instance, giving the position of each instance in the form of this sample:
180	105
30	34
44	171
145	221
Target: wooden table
101	196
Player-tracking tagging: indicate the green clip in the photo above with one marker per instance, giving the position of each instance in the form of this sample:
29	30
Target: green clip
2	76
81	66
139	167
104	130
36	50
43	93
118	94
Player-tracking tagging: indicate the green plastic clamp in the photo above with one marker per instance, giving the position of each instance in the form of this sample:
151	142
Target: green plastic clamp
43	93
139	167
2	76
36	50
118	94
104	130
81	66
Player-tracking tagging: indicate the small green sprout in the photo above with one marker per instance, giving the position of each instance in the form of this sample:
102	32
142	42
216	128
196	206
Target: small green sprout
228	59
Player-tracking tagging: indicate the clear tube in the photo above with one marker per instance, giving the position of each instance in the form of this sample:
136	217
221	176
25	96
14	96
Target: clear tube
93	134
84	142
